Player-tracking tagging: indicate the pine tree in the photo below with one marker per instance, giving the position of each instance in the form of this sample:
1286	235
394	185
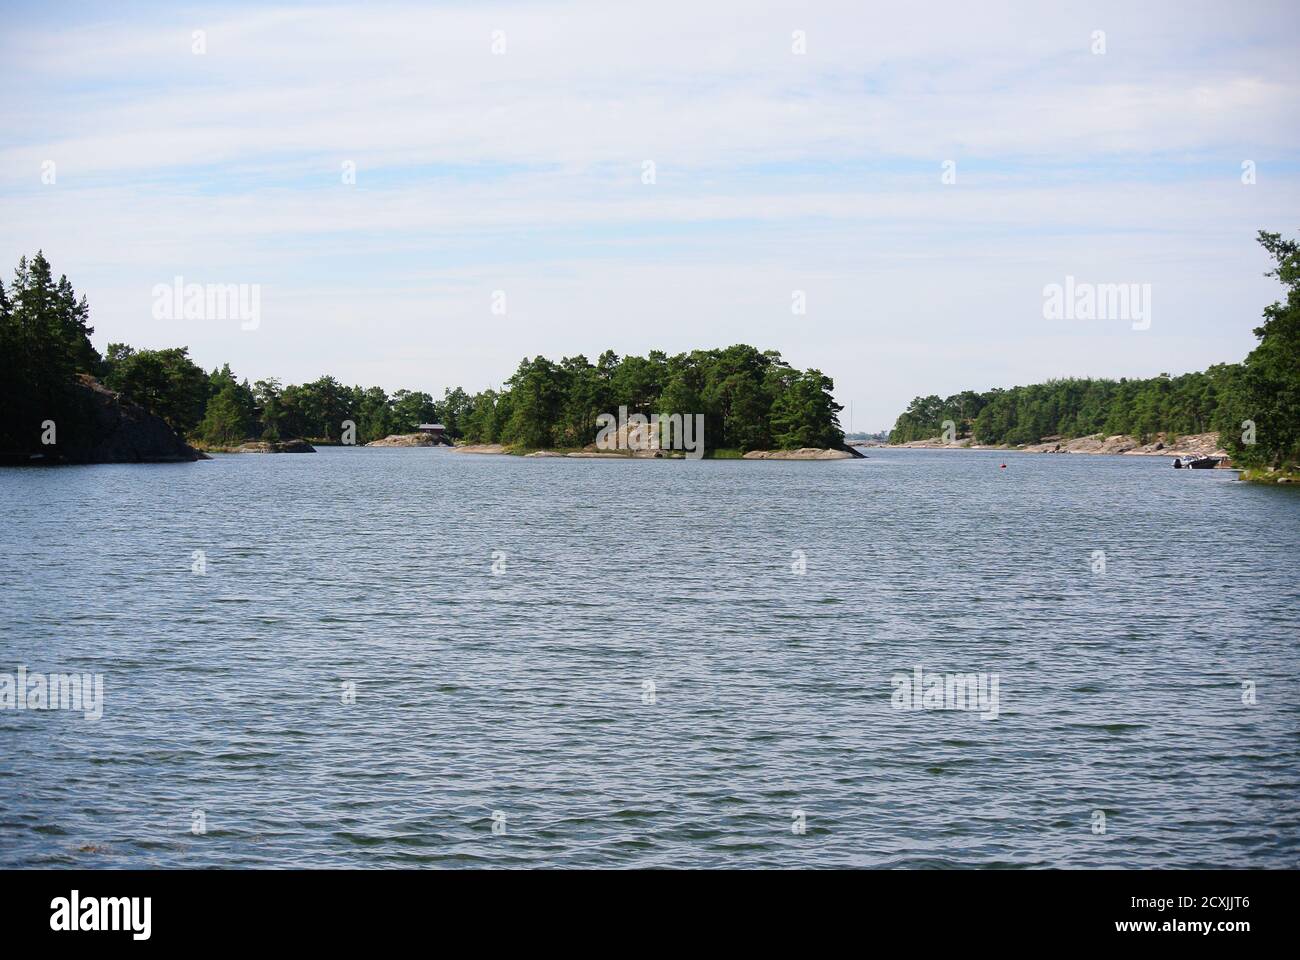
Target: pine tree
226	421
1270	380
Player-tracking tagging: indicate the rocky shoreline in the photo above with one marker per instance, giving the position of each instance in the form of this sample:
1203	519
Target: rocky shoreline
1193	445
266	446
275	446
590	453
404	440
479	448
803	453
640	441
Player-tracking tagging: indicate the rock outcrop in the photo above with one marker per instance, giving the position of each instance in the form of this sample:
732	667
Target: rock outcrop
478	448
1192	445
404	440
275	446
107	429
803	453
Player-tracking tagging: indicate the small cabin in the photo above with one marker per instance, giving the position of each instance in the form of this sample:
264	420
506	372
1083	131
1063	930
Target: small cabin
435	430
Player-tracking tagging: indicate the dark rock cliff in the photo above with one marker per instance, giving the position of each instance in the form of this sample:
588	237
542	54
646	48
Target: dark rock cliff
105	429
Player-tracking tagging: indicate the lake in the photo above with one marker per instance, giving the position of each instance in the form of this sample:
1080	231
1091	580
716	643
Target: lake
409	657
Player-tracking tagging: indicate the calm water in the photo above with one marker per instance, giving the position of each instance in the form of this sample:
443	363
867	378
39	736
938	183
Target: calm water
521	693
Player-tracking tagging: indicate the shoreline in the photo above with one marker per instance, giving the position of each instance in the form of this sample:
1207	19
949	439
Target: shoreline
1194	445
586	453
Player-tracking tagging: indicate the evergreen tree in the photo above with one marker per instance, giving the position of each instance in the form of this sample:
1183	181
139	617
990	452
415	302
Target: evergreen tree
226	421
374	415
44	344
537	403
1270	379
806	415
167	383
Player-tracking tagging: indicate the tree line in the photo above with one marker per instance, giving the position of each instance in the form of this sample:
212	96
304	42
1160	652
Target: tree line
750	399
1253	405
217	409
1074	407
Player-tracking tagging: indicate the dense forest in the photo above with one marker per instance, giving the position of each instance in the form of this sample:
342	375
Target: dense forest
750	399
1191	403
1263	390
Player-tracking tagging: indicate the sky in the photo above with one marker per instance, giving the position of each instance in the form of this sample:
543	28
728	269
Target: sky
505	147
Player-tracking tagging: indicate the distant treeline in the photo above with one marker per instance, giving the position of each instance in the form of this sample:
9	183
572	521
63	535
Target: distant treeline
1262	393
1191	403
750	399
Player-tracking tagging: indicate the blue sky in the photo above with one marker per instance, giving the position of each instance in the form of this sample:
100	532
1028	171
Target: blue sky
775	171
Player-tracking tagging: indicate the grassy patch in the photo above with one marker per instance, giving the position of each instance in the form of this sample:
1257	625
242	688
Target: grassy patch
1285	475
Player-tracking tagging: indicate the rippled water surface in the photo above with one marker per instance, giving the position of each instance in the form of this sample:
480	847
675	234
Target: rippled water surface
523	694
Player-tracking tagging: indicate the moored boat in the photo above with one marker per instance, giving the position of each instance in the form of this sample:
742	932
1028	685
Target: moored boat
1196	463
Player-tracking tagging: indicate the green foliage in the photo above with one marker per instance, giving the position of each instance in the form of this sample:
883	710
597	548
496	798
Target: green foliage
410	409
44	344
374	414
1187	404
803	415
924	416
167	383
268	408
537	392
452	411
588	394
749	399
226	421
1268	392
316	410
486	418
1263	390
